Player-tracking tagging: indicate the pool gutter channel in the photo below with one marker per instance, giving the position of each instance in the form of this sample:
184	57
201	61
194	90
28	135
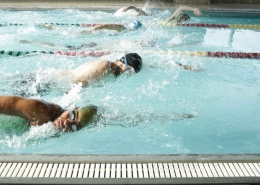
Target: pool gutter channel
129	169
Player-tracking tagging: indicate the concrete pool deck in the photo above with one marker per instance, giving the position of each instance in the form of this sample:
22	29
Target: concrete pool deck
115	4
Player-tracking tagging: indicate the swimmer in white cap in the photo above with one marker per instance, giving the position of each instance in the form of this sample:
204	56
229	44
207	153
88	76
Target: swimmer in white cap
38	112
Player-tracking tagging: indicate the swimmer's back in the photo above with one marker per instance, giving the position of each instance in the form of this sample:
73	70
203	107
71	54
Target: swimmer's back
93	70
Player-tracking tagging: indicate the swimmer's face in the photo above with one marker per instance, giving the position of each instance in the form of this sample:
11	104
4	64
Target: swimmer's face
183	18
120	67
68	121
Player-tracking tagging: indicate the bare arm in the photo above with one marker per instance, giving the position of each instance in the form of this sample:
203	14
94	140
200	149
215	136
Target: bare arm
37	42
34	111
139	11
179	10
190	68
117	27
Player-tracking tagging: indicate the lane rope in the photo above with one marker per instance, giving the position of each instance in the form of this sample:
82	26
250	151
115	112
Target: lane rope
218	54
240	26
67	53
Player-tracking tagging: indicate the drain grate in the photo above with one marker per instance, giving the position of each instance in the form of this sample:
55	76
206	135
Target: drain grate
202	171
129	170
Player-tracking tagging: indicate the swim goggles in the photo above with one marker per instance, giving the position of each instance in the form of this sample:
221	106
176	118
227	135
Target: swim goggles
72	117
129	69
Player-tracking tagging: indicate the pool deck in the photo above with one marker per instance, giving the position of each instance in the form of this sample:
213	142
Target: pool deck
115	4
129	169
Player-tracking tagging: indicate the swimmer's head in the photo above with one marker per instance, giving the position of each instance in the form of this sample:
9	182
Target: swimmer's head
183	18
75	119
135	25
134	60
86	114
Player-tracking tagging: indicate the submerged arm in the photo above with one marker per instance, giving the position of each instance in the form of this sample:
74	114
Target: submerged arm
179	10
37	42
190	68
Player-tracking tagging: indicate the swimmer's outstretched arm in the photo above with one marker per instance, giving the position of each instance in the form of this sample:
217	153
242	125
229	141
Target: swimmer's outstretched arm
37	43
190	68
139	11
179	10
36	112
116	27
50	27
150	118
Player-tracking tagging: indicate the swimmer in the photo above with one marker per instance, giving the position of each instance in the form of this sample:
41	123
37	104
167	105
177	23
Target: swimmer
115	27
38	112
137	10
175	15
49	44
95	70
184	17
89	73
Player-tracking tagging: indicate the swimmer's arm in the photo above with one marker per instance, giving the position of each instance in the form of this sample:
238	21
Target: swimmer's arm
50	27
37	42
179	10
31	110
190	68
17	106
139	11
117	27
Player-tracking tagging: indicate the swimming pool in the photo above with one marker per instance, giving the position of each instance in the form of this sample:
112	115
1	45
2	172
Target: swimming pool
139	112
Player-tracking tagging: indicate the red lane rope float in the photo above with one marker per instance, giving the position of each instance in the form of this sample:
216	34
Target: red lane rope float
215	54
239	26
234	55
204	25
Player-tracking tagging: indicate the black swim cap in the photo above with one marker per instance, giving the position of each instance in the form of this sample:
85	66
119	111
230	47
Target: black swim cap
134	60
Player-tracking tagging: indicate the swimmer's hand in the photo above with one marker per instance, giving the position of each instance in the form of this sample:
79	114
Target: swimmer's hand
183	116
196	12
24	41
85	32
47	26
190	68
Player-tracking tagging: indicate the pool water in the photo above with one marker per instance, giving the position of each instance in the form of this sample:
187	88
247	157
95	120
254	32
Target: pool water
142	113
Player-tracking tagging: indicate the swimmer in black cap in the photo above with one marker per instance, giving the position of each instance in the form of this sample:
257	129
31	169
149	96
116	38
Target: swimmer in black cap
38	112
95	70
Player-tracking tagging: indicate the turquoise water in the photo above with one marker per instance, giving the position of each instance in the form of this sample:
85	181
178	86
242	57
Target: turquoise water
140	113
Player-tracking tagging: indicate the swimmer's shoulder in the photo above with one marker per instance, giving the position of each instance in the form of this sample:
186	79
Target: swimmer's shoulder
92	65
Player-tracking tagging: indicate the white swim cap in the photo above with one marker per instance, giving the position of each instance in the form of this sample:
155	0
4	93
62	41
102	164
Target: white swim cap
135	25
